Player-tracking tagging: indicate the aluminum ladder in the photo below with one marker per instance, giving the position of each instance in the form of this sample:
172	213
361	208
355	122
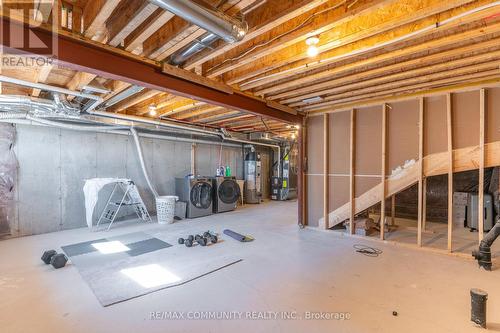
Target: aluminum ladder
129	198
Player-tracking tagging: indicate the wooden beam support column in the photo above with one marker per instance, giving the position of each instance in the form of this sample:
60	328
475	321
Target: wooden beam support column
326	181
450	168
383	172
480	215
352	199
420	169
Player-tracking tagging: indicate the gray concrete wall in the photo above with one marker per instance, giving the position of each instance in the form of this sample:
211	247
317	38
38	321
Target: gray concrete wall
54	163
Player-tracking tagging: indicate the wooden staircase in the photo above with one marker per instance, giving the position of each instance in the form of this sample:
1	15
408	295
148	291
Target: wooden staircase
464	159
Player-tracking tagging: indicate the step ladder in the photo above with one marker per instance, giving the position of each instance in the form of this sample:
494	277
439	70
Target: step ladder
123	194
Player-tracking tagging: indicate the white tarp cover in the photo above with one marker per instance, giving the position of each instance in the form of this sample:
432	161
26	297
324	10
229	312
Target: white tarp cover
91	190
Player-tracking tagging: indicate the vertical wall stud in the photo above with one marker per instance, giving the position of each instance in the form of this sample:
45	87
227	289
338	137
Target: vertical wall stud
420	168
301	175
450	168
424	203
393	209
480	215
351	172
383	172
326	180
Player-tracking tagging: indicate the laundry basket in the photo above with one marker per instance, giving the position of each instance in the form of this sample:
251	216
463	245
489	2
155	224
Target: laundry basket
165	208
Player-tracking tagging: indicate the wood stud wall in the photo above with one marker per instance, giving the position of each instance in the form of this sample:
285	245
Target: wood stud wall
326	177
420	168
383	172
422	181
449	130
480	215
352	155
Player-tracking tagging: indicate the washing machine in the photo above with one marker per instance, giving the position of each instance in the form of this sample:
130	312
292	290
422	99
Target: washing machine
197	193
226	194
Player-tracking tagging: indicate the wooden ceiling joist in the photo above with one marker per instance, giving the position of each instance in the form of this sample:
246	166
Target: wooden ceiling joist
133	100
134	41
490	59
107	63
333	14
357	35
95	14
453	81
260	21
126	18
197	113
354	71
369	50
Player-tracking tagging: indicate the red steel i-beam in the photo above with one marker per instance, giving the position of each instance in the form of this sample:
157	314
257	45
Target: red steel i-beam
85	56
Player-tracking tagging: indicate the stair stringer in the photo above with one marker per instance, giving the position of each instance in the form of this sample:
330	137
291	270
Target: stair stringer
464	159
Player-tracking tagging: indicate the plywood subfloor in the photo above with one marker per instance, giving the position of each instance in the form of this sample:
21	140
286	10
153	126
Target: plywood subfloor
289	270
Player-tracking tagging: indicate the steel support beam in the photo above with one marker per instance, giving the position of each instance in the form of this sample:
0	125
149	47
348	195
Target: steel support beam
101	60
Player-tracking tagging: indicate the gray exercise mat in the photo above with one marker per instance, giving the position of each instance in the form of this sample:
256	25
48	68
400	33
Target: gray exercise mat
137	242
147	264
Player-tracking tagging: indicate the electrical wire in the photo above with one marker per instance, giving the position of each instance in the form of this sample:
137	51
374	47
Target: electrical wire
367	250
306	21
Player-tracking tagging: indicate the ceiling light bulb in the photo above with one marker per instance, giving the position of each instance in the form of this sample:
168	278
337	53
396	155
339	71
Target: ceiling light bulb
152	110
312	40
293	135
312	51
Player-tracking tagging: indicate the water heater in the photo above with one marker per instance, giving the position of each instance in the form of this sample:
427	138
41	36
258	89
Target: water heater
253	177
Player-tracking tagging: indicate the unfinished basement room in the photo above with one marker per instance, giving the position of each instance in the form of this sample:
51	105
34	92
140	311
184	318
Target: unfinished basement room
249	166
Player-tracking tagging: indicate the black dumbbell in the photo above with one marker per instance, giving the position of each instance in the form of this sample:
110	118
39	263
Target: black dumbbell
183	240
202	241
58	260
55	259
47	255
213	237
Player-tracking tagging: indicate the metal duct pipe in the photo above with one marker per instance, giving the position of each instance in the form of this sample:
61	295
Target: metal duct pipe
227	28
19	118
159	123
123	95
181	56
162	123
47	87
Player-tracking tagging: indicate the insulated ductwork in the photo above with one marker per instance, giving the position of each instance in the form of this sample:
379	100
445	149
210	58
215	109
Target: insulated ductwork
223	26
181	56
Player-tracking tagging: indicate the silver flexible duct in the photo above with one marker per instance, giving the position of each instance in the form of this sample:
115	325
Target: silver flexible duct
97	100
219	24
181	56
141	160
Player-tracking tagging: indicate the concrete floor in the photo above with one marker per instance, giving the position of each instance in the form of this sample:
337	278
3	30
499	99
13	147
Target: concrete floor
290	271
